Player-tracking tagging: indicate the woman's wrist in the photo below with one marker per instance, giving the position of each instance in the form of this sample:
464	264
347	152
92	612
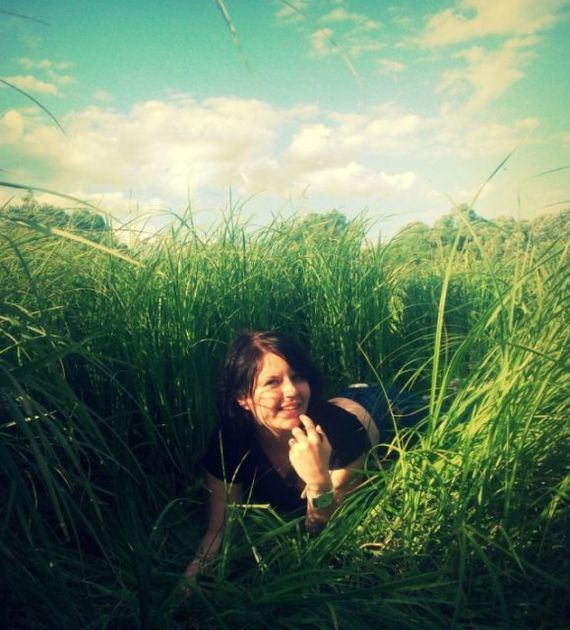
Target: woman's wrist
315	489
321	503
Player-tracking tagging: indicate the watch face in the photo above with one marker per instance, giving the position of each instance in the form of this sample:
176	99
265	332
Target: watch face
324	500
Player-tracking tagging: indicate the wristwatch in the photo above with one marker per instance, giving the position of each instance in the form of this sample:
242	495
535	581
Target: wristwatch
324	500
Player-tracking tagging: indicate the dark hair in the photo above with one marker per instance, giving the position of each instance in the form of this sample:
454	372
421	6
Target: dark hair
242	363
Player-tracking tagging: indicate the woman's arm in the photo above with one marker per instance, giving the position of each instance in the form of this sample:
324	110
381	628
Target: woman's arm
309	453
342	481
220	495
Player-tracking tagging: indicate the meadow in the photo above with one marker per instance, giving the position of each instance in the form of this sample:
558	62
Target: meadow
109	358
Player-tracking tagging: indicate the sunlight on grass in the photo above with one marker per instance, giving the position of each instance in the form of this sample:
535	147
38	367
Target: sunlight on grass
108	364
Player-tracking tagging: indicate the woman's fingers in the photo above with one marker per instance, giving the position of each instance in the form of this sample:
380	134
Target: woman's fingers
312	433
309	452
306	421
305	431
311	430
298	434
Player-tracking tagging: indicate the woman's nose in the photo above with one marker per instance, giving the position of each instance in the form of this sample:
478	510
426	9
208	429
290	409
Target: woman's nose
289	388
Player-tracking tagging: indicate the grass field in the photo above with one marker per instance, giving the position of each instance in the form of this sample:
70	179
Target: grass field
108	365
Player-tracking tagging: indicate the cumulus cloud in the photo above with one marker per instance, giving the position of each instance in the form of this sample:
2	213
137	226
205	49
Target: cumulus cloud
12	125
486	71
292	11
341	15
29	83
357	180
334	30
321	42
159	150
345	137
102	96
390	66
46	76
52	70
324	42
359	47
478	18
175	143
453	134
43	64
487	74
530	124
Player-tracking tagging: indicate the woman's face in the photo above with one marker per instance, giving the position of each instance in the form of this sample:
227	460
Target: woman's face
279	395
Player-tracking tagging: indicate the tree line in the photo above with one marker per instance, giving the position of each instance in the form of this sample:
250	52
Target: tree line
460	229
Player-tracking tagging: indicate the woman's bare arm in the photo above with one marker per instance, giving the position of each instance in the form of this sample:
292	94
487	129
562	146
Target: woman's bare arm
220	495
309	454
342	481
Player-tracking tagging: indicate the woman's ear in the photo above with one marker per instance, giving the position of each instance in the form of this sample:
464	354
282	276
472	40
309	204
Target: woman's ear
243	403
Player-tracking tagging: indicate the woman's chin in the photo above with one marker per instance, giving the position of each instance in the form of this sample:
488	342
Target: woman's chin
290	421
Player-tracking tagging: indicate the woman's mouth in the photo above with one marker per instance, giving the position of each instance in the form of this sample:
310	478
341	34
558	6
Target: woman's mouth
290	408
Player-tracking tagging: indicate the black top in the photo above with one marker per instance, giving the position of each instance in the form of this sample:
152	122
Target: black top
235	455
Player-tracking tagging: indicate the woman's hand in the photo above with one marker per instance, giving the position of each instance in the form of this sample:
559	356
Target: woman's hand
309	454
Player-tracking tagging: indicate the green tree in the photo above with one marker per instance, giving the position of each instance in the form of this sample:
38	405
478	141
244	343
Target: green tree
412	244
551	227
89	224
87	221
333	224
30	210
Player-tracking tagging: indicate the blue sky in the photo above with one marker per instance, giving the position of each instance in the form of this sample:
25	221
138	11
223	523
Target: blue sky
393	109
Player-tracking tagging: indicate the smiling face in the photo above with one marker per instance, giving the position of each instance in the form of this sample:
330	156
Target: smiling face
279	395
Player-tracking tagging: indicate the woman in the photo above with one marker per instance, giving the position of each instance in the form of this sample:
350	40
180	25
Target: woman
278	442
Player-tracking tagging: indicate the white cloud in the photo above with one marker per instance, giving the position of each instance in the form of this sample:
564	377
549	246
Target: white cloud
390	65
487	74
483	73
347	137
341	15
455	134
321	42
303	111
160	150
102	96
478	18
355	34
357	180
29	83
528	124
324	42
157	148
362	47
294	11
12	125
52	70
43	64
62	79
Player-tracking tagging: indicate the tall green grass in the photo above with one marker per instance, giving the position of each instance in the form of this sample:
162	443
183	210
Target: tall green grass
108	368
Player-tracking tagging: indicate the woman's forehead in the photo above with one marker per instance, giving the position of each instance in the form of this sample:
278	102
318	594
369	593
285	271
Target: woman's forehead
270	362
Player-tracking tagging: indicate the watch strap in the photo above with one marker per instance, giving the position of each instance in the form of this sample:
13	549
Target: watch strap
324	500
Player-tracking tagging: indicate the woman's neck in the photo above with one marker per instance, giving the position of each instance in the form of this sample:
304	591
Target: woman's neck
275	445
274	441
